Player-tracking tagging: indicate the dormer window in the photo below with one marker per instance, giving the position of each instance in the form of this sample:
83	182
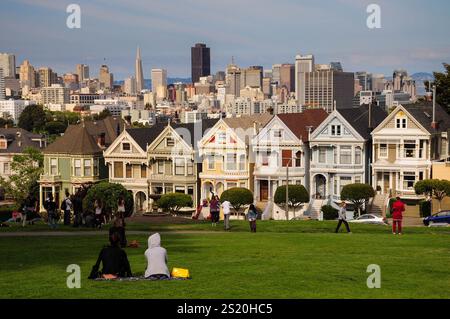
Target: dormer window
126	147
170	142
277	133
222	138
400	120
335	130
3	144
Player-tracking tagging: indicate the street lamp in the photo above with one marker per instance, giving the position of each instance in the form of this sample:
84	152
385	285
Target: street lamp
287	189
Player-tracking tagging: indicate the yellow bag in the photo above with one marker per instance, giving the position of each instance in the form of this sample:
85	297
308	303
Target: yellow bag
180	273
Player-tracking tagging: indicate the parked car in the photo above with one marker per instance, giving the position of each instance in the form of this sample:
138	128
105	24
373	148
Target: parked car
369	219
441	217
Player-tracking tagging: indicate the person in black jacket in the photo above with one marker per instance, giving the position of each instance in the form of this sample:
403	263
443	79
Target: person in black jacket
52	211
119	228
114	259
77	202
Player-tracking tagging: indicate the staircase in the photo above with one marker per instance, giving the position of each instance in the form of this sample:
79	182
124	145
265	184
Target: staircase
316	207
378	205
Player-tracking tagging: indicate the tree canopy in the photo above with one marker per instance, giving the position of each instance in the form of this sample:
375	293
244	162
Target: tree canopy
358	194
238	197
438	188
297	196
173	202
108	194
442	82
33	118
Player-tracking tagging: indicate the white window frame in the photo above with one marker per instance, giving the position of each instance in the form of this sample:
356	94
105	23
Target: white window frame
75	167
345	150
51	165
124	150
87	166
383	155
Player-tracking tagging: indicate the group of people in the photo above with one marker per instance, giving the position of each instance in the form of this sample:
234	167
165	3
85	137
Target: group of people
115	262
214	212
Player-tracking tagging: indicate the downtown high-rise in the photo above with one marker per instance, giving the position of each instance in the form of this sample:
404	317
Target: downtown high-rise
200	62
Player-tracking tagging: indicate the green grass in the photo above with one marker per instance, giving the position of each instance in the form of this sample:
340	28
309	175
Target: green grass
283	260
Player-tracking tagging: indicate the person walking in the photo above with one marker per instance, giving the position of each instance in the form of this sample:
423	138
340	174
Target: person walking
121	209
343	218
214	206
252	215
52	213
397	216
66	206
226	206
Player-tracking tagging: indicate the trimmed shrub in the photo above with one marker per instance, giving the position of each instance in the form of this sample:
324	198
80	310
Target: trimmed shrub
329	212
173	202
425	208
108	194
238	197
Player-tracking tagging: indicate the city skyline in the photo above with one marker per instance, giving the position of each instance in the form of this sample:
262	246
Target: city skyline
338	32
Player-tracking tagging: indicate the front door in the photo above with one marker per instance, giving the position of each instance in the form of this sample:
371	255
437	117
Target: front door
264	190
321	186
386	178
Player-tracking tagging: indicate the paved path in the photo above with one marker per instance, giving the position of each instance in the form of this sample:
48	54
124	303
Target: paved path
99	232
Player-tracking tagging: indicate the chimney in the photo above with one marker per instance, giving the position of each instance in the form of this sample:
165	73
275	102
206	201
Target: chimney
101	140
370	116
434	124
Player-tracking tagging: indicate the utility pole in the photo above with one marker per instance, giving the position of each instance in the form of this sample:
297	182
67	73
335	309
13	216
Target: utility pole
287	189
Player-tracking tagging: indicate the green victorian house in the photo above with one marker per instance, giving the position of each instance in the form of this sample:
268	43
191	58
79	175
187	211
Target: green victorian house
76	158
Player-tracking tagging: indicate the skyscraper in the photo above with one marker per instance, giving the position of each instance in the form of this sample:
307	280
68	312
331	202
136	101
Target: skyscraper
200	61
287	77
303	64
105	78
47	77
252	76
233	80
82	72
159	82
8	64
27	75
129	86
2	85
139	73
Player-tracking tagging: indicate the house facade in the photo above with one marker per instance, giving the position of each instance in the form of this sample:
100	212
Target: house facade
341	150
227	160
76	158
405	145
281	150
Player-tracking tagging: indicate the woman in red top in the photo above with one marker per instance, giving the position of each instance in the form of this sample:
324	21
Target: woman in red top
397	215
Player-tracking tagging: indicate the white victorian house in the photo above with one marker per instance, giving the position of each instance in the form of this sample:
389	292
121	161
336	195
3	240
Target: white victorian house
281	150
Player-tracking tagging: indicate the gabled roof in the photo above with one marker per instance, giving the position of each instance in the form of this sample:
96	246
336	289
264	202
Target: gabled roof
359	118
247	121
18	139
299	123
81	139
423	113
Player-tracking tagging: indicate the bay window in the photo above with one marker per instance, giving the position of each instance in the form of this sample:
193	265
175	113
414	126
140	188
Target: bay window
346	155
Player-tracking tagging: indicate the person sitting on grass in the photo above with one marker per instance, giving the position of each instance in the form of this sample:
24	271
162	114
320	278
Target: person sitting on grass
119	228
114	259
156	259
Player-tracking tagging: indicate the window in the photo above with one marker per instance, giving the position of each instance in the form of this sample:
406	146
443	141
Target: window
357	179
77	167
346	155
231	161
87	167
96	167
265	158
358	155
286	158
222	138
190	191
400	122
335	130
298	159
421	148
211	163
179	166
410	149
160	167
53	166
128	171
277	133
6	168
126	147
143	171
322	154
345	180
118	169
242	162
190	168
383	151
179	189
170	142
409	178
3	144
420	176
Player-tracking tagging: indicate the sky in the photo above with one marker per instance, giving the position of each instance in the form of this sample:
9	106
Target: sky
414	34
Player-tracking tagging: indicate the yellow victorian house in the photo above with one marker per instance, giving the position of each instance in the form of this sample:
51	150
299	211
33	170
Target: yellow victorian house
227	159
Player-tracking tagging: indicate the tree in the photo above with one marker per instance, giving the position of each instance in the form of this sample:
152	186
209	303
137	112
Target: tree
33	118
108	194
297	196
438	188
238	197
26	169
358	194
442	82
173	202
55	127
6	122
102	115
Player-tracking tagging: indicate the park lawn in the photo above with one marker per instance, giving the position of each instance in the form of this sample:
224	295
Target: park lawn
283	260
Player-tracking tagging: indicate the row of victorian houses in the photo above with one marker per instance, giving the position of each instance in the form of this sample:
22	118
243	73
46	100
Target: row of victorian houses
324	152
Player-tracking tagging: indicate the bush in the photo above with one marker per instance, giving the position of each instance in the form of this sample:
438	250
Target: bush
329	212
173	202
298	195
238	197
108	194
425	208
358	194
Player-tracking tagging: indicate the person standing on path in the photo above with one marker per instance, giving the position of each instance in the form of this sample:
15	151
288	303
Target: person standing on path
214	206
343	218
52	213
397	216
252	215
226	205
66	206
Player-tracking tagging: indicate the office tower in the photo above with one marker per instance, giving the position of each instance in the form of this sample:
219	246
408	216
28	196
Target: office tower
276	73
139	73
82	72
200	61
159	83
27	75
130	86
47	77
378	83
220	76
2	85
336	66
365	80
398	79
8	64
233	80
70	81
287	77
55	94
323	88
105	78
267	87
252	76
303	64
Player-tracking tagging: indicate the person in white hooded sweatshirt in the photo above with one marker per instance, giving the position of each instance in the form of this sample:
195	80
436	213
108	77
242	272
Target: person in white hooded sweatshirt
156	259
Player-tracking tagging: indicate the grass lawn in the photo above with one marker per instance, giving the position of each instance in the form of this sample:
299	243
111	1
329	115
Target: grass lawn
283	260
